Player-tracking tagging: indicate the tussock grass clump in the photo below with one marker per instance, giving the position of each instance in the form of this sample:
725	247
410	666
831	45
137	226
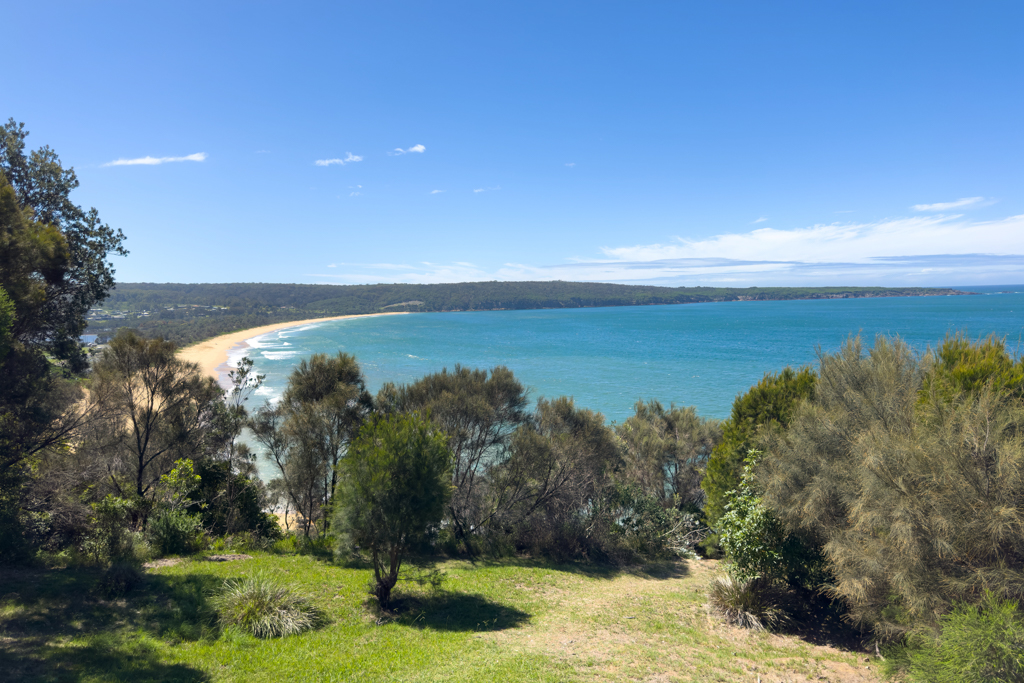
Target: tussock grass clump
748	603
263	607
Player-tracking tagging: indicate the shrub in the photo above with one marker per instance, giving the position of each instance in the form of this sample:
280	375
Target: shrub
111	539
976	644
392	490
758	544
119	579
910	480
263	607
748	603
176	532
767	406
642	527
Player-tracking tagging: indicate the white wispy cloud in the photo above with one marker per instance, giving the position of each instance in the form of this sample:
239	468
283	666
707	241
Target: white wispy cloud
415	149
349	158
946	206
436	191
918	251
571	164
486	189
333	265
156	161
762	219
845	241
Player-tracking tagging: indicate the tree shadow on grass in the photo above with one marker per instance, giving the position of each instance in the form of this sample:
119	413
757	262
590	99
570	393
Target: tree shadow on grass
454	612
658	570
819	620
45	609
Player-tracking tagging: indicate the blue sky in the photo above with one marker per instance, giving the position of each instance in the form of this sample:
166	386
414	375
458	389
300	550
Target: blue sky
684	143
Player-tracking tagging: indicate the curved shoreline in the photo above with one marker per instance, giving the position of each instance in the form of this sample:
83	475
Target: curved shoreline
212	355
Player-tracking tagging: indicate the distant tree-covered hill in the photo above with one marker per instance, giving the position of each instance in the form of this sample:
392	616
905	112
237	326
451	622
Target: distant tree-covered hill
187	313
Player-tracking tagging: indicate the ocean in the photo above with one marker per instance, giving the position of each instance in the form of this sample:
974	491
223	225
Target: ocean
608	358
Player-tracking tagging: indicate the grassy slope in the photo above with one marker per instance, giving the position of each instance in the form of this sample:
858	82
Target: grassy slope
508	621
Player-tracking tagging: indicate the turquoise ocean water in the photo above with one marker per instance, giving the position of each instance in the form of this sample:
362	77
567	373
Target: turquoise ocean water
607	358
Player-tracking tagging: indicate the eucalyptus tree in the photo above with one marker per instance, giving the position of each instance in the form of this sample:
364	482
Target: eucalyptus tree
153	408
479	412
308	433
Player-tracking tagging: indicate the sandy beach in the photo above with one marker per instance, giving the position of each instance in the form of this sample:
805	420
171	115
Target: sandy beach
212	355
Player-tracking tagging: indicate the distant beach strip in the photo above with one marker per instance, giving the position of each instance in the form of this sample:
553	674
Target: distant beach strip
212	356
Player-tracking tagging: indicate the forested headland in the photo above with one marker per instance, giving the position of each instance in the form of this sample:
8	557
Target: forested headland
187	313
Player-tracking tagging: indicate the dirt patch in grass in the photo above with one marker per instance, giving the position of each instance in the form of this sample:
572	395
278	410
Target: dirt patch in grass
654	625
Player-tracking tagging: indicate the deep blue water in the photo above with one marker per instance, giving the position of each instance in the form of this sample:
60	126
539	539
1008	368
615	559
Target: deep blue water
607	358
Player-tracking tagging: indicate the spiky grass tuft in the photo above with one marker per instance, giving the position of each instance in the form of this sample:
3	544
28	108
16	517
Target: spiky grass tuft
745	603
263	607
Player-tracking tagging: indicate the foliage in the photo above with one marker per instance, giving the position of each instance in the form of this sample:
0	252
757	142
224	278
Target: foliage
757	543
558	466
745	602
261	606
232	503
156	410
119	579
642	527
394	485
478	412
961	366
917	499
768	405
665	452
111	539
981	643
309	431
176	532
69	248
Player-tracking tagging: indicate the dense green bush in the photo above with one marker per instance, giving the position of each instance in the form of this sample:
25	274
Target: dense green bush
393	486
768	405
111	540
263	607
913	486
176	532
975	644
758	544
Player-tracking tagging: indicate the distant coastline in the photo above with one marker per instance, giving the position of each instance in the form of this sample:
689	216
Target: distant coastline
191	313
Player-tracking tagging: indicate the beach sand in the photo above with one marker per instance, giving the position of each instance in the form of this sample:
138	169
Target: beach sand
212	355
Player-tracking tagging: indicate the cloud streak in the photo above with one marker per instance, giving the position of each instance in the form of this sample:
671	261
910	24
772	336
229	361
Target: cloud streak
918	251
156	161
946	206
415	149
349	159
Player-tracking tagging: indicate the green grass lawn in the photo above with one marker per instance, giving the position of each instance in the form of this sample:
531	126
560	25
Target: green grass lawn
510	620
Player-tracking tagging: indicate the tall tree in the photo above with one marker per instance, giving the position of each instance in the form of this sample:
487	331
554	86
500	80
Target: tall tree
308	432
42	190
479	411
156	409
